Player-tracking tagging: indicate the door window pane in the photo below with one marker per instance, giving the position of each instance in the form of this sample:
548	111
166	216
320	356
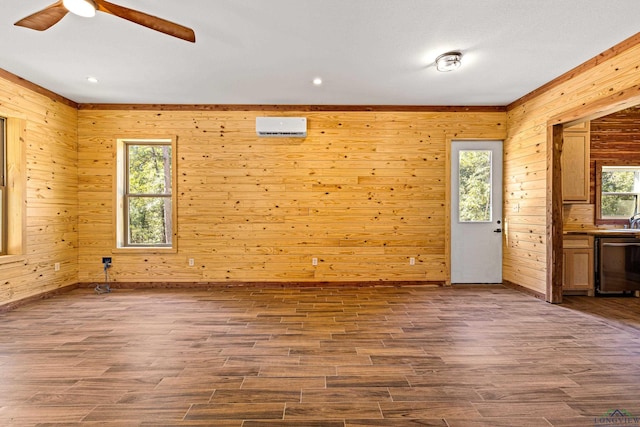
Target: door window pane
474	195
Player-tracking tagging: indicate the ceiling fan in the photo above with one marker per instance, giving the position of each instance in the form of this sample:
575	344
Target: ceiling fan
50	15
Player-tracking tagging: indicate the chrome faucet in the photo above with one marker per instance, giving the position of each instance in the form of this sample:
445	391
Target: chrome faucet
634	221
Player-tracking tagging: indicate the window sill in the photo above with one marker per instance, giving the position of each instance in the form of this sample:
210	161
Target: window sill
600	221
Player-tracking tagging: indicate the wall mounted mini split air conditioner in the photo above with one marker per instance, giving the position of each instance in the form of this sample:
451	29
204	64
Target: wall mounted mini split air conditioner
283	127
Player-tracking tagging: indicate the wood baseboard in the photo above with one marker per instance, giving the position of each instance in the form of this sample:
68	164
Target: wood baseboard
205	285
49	294
524	290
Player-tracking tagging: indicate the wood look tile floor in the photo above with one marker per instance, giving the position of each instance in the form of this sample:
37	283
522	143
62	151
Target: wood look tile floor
351	356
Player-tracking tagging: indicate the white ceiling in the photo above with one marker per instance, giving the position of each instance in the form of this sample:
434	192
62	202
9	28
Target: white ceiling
368	52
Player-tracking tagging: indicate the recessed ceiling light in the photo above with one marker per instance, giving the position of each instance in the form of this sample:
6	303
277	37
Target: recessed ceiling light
317	81
92	79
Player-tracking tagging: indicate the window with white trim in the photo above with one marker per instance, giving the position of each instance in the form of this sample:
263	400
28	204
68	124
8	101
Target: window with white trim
146	208
619	192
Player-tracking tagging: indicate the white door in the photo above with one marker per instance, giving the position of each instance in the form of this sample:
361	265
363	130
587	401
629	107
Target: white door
476	212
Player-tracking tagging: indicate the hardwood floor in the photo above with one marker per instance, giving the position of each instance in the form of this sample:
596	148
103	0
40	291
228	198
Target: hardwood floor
352	356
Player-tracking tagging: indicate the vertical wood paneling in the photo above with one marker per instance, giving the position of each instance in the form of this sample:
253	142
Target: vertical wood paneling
49	150
363	193
525	157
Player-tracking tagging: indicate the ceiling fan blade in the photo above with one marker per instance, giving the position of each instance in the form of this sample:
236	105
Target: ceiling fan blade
44	18
149	21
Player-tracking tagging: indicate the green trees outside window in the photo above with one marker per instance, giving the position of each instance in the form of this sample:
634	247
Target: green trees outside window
474	186
148	195
620	188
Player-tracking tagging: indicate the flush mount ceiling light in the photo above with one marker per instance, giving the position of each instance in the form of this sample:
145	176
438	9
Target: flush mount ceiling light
85	8
448	61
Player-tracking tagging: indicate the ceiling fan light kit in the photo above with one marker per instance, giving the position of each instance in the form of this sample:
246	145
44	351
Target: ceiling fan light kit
448	61
52	14
84	8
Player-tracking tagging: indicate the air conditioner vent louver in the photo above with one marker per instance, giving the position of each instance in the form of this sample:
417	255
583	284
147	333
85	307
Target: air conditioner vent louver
282	133
283	127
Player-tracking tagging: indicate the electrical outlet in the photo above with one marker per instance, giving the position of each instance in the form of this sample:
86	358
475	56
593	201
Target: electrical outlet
56	266
191	262
106	260
314	261
412	261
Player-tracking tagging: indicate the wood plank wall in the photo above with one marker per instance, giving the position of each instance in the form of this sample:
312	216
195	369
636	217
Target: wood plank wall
50	147
363	193
615	137
526	161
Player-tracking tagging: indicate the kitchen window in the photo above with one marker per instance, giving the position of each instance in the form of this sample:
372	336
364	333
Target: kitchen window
617	192
146	206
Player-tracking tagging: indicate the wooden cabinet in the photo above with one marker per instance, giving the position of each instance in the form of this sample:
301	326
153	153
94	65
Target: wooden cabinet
578	265
575	163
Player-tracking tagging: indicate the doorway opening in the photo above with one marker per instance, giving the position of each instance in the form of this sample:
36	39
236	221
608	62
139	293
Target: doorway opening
611	104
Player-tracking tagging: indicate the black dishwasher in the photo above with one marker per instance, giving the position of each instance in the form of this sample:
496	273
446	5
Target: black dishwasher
617	265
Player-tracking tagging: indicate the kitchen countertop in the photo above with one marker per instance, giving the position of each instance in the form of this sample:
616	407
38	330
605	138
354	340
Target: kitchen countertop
626	232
